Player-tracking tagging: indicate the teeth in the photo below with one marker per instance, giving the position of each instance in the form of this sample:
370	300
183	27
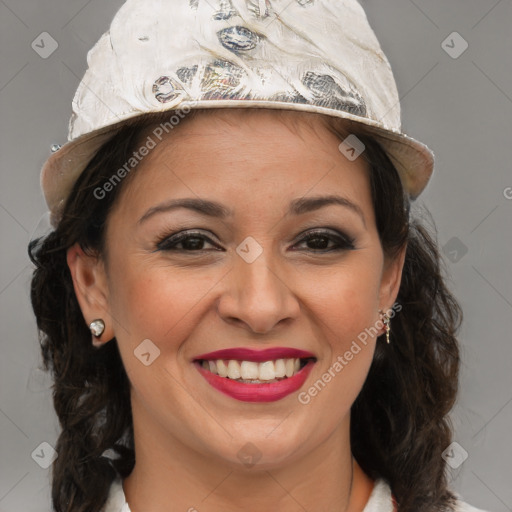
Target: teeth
280	368
267	371
222	368
250	371
289	365
234	369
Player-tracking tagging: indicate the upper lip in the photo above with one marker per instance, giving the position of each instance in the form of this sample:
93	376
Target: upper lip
258	356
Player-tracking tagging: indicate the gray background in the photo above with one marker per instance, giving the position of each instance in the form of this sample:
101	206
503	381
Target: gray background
460	107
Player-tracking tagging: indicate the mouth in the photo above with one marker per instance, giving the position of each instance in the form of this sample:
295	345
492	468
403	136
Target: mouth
252	372
256	376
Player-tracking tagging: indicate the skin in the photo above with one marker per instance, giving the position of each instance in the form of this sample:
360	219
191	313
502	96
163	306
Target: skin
187	434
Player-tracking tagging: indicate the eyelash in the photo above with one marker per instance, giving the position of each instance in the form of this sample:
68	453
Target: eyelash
344	242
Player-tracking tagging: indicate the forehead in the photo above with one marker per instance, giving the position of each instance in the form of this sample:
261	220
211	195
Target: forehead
247	155
232	123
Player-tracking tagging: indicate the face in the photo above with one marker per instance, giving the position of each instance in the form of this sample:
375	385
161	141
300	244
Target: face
276	273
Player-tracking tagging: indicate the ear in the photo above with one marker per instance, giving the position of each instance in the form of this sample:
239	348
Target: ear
391	279
91	289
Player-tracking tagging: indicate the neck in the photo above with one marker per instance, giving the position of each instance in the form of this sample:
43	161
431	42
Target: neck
170	472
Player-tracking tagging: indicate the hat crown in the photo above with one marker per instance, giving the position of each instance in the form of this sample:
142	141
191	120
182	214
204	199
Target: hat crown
161	54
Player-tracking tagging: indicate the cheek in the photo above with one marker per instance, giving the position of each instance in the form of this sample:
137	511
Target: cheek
346	298
163	306
346	309
345	303
156	302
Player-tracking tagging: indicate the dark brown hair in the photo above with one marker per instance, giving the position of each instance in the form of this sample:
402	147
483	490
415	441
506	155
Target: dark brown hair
399	421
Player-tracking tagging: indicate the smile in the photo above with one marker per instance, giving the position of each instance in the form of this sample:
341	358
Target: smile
251	372
256	376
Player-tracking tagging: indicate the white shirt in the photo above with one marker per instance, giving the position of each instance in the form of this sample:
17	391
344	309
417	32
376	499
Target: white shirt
380	499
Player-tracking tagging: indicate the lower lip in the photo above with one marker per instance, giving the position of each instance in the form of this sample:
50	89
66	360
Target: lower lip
257	392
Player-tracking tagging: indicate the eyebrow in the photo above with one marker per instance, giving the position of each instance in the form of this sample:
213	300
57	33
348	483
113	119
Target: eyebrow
215	209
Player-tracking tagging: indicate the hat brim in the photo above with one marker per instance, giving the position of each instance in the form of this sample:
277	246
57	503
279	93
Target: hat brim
413	160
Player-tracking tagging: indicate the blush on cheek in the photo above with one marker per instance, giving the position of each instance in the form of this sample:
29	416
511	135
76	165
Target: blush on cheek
352	314
157	307
353	342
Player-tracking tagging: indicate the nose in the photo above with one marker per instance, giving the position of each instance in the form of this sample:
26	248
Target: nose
258	295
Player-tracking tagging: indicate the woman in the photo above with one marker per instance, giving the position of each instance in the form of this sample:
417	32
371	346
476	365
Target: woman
237	308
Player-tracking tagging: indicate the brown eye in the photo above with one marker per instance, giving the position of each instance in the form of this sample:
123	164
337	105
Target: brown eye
190	242
318	241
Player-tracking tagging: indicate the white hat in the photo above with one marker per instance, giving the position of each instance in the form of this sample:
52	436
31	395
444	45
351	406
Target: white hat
308	55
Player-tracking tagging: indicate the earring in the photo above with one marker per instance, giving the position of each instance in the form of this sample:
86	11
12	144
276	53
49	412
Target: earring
386	321
97	327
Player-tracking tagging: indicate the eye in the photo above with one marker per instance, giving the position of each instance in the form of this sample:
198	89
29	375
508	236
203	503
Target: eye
191	241
320	240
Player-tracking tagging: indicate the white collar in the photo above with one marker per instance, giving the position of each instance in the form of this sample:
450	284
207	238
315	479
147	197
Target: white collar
380	499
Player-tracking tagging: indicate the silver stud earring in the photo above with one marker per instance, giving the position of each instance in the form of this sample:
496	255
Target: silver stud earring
97	327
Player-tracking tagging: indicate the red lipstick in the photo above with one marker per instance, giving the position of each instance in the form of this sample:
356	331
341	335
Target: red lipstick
256	392
258	356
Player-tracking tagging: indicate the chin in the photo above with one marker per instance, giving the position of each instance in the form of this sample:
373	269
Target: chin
261	446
